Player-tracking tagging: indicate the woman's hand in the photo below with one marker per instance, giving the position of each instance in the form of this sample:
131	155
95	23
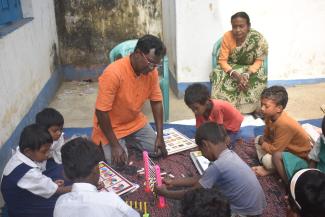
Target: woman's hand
242	80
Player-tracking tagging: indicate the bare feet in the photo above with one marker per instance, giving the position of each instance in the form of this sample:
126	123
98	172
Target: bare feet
261	171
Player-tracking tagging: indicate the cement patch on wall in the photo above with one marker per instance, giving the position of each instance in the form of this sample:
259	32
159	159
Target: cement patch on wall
88	29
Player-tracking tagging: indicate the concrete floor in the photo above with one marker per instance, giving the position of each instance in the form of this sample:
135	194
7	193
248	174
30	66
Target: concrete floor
76	100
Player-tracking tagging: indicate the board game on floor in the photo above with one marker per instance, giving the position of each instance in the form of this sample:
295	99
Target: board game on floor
200	162
176	141
113	181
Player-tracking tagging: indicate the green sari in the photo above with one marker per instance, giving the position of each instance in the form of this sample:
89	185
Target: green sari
226	88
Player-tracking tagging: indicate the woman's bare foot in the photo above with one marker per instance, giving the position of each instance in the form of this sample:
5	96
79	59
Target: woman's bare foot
261	171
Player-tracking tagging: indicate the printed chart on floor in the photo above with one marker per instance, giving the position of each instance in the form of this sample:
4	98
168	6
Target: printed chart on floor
200	162
113	181
176	141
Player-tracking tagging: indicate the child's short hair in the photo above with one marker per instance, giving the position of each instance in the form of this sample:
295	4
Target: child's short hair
212	132
33	137
49	117
205	203
276	93
196	93
79	157
310	193
323	126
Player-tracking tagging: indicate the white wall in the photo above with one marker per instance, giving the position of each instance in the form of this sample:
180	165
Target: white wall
293	29
26	64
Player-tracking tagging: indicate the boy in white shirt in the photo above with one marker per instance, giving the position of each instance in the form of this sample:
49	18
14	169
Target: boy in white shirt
80	158
53	121
26	190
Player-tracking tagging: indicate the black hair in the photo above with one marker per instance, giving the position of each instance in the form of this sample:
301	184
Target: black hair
276	93
34	137
211	132
323	126
196	93
49	117
79	157
205	203
148	42
242	14
310	193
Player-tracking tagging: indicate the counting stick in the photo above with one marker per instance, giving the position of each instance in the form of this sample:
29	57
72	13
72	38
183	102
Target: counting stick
152	176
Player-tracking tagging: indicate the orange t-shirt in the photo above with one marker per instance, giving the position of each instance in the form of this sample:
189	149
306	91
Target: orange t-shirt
122	93
286	134
227	45
222	113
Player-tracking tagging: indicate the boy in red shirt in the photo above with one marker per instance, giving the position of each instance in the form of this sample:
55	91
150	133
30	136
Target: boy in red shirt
197	98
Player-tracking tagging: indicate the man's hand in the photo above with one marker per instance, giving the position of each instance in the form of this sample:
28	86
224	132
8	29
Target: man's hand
119	157
160	145
100	185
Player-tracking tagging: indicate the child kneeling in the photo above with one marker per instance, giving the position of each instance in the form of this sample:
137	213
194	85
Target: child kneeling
80	159
228	172
26	191
197	98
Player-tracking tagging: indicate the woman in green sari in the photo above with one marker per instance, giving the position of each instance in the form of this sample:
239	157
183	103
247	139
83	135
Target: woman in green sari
240	76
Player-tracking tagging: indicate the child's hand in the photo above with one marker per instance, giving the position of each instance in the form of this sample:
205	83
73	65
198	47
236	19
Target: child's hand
160	190
168	182
59	182
100	186
261	140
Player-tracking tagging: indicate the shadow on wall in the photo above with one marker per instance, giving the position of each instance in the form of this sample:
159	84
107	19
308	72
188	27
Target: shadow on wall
88	29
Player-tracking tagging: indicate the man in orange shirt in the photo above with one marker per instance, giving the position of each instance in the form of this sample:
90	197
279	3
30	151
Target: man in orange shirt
123	88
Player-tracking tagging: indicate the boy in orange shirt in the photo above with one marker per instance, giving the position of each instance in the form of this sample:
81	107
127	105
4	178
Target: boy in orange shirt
197	98
281	133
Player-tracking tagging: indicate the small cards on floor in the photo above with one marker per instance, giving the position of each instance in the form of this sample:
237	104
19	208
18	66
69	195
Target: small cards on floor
200	162
113	181
176	141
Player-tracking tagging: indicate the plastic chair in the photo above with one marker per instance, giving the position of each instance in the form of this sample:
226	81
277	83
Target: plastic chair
216	51
127	47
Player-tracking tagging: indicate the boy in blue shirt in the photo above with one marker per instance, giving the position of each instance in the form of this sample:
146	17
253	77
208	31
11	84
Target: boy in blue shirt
25	189
228	172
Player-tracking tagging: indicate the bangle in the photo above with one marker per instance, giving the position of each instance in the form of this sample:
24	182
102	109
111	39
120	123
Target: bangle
230	73
246	74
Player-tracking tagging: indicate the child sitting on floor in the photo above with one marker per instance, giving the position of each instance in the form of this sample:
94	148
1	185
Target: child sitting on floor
307	194
26	191
197	98
290	163
80	159
53	121
281	132
205	203
228	172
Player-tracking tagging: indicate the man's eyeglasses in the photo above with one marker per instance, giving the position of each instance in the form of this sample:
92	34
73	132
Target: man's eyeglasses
150	64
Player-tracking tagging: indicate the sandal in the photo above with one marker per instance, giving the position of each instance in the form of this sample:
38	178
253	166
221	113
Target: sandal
322	107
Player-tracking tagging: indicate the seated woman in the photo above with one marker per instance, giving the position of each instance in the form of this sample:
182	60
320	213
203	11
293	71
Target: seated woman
239	77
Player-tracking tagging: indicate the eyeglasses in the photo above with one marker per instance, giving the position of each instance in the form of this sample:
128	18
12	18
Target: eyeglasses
150	64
